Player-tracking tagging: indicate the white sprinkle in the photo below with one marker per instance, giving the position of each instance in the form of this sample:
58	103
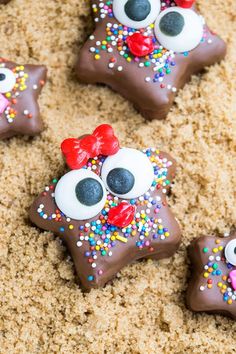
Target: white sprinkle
91	37
147	79
120	68
94	265
35	87
79	244
202	288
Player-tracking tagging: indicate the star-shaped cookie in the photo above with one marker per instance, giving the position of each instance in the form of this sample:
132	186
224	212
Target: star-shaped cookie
20	86
111	209
212	285
147	49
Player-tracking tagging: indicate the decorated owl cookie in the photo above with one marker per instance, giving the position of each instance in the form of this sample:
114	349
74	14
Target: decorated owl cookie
212	285
20	86
147	49
110	209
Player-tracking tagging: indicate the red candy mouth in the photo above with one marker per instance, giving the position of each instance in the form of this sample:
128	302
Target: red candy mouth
185	3
140	45
121	215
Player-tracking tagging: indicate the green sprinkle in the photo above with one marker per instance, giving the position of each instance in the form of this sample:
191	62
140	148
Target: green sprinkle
205	250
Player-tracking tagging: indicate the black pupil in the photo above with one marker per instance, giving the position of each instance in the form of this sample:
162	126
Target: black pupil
2	77
89	191
235	250
137	10
172	24
120	180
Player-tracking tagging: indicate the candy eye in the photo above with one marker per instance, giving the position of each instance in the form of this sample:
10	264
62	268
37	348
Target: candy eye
136	13
128	174
178	29
7	80
230	252
80	194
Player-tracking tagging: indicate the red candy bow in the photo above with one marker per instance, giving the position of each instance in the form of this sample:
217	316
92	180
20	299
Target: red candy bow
185	3
78	151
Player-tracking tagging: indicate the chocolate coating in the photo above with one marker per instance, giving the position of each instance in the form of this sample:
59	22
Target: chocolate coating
4	2
207	291
23	102
125	250
152	99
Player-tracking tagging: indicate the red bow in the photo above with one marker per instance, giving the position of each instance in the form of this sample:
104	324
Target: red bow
185	3
78	151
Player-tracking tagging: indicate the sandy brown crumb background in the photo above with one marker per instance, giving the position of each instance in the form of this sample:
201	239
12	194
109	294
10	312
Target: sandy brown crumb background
42	310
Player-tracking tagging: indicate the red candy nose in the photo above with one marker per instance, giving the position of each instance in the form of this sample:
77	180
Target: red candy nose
121	215
140	45
185	3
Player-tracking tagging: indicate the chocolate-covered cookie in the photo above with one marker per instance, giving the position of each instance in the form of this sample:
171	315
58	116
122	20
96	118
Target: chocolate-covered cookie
20	86
111	208
212	285
147	49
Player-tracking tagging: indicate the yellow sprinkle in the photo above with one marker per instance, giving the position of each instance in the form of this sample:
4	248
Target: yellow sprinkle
133	233
113	238
167	234
230	301
220	285
215	250
220	248
97	248
97	57
217	241
121	238
8	94
224	287
22	67
209	286
206	275
71	227
104	42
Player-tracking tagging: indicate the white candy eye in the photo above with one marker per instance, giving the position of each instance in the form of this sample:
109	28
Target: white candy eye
128	174
178	29
136	13
7	80
230	252
80	194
